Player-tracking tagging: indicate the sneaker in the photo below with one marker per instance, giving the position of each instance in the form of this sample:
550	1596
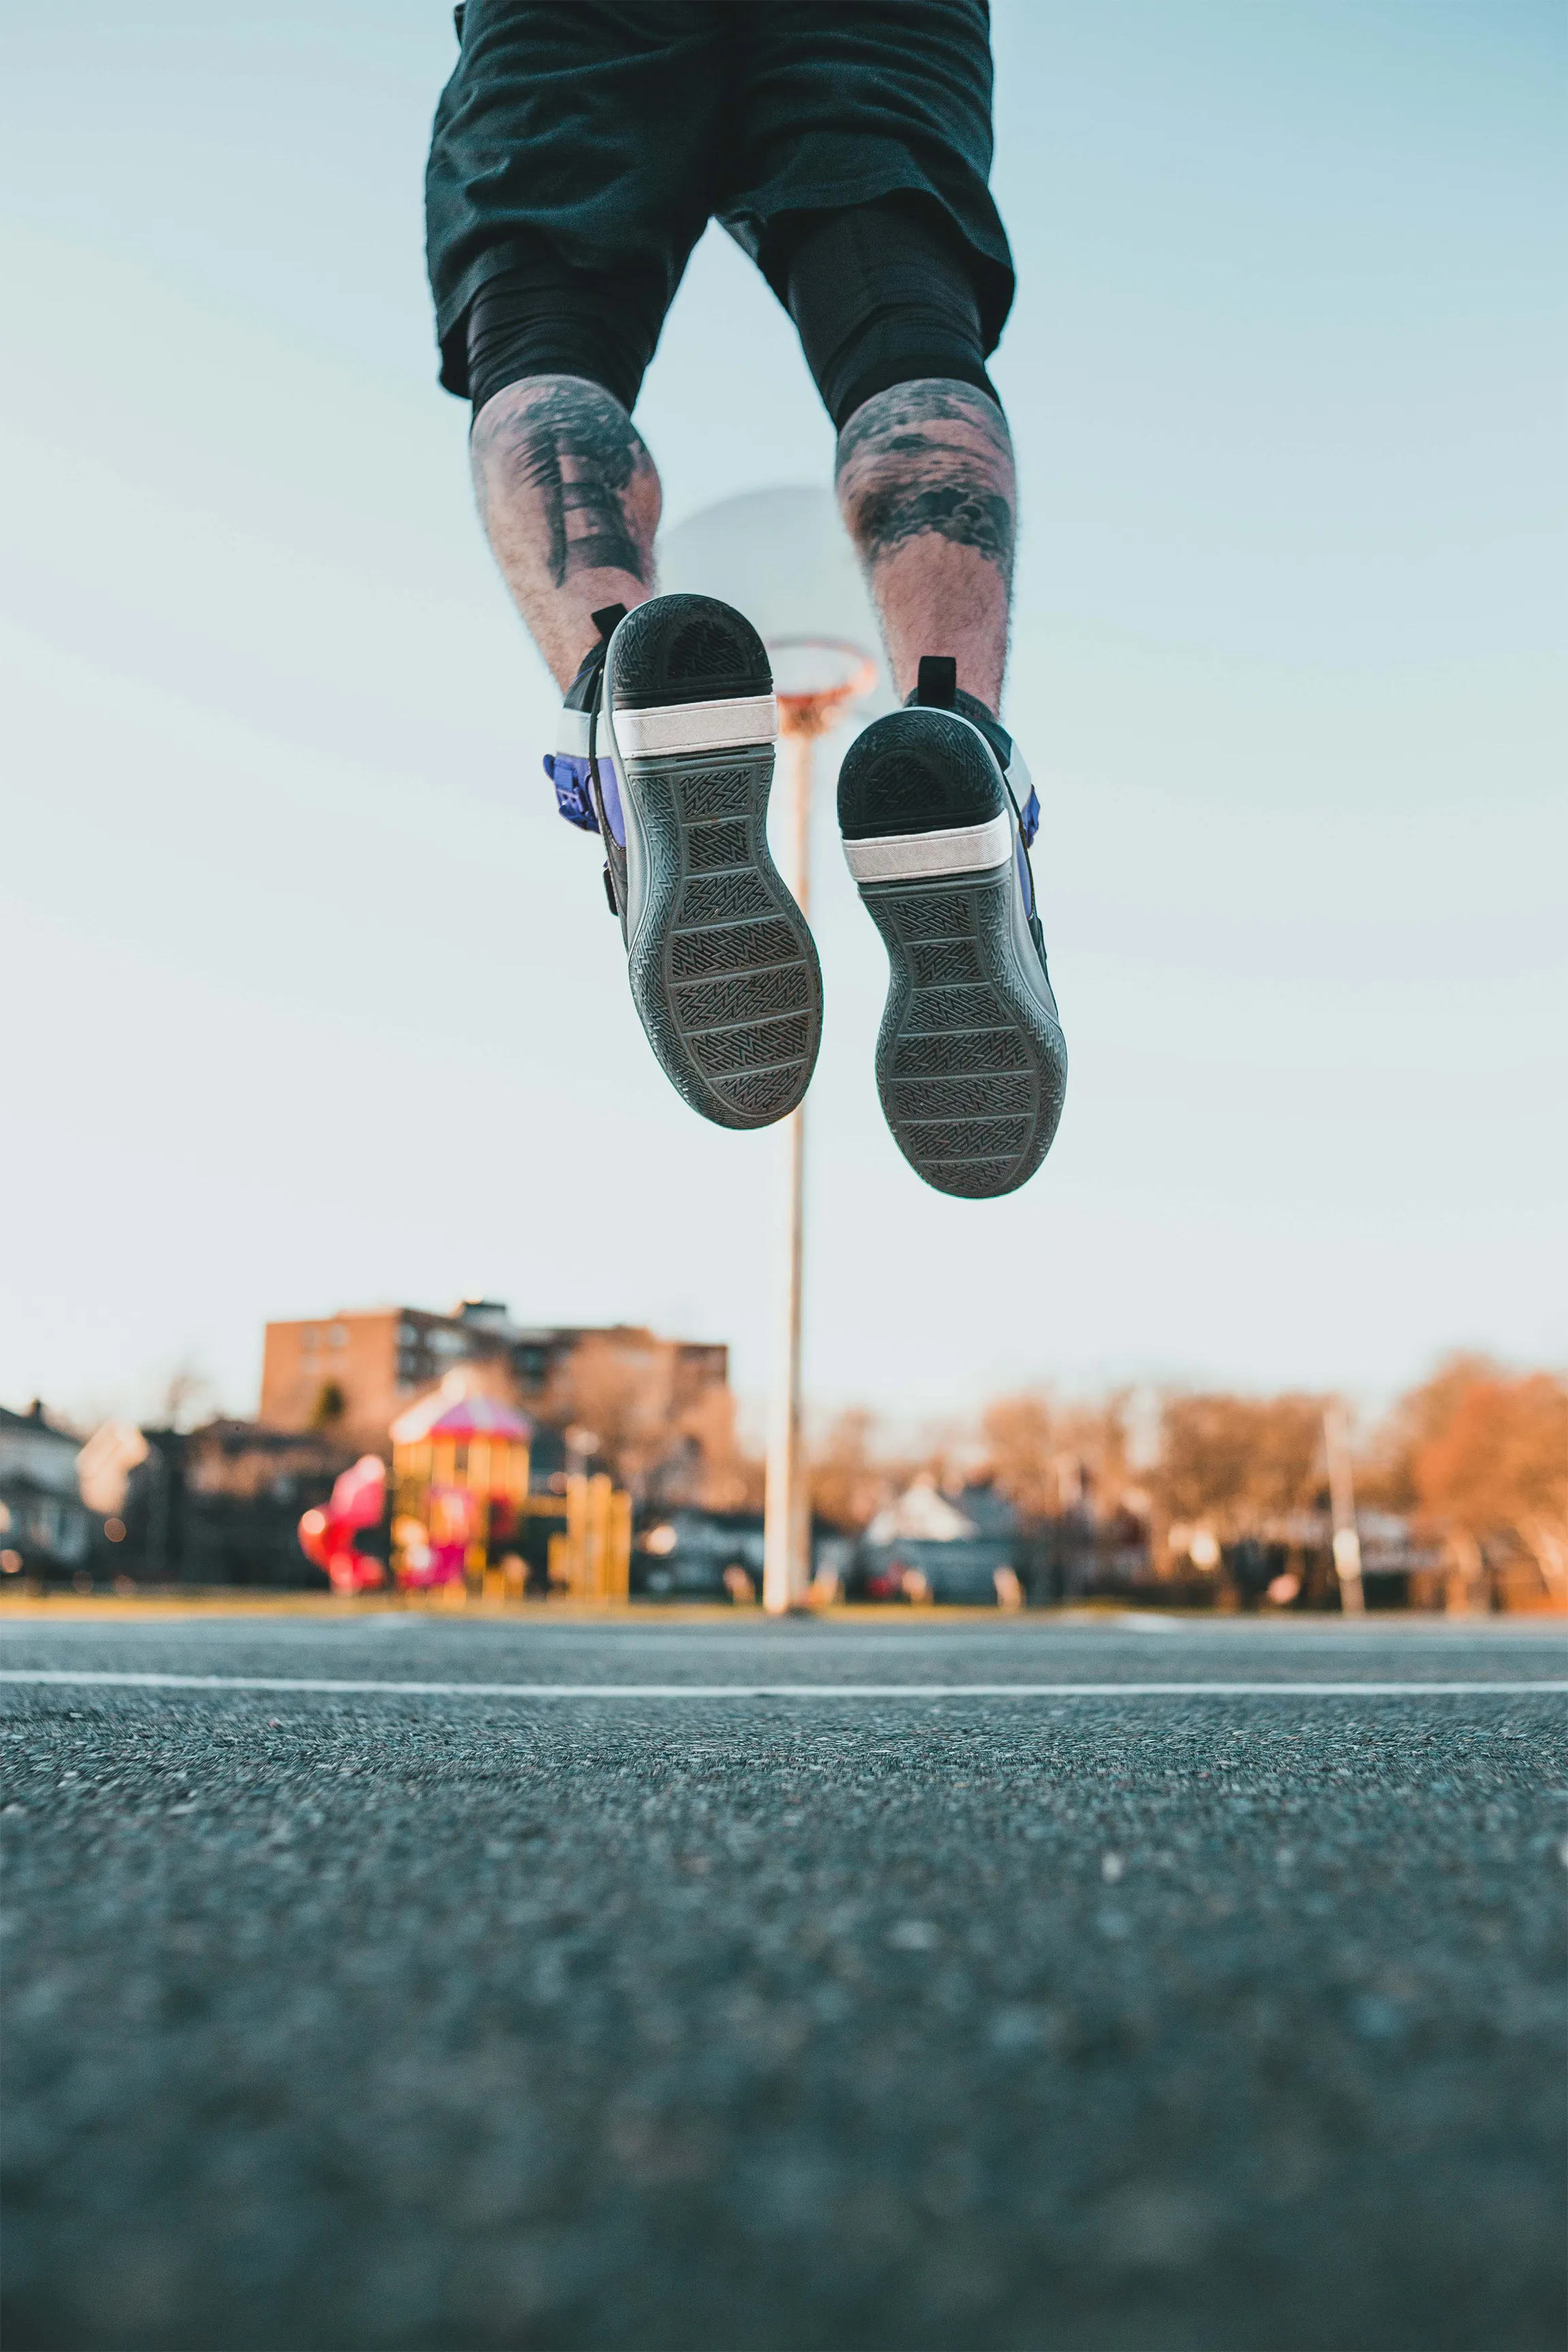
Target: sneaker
937	811
667	752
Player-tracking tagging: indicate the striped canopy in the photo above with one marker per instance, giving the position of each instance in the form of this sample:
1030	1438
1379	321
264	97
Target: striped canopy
445	1416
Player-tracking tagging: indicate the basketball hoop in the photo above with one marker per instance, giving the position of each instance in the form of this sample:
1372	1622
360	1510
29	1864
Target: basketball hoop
813	680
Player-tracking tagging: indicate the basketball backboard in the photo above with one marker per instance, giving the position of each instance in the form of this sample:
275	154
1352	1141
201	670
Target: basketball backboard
783	558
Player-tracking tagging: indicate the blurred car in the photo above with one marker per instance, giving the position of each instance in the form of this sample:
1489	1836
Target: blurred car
692	1555
958	1550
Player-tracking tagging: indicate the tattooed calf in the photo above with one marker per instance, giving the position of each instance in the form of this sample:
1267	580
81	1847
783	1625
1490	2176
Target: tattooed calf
933	456
574	445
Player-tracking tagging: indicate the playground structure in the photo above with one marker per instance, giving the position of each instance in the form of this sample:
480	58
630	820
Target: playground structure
328	1536
592	1561
461	1502
459	1491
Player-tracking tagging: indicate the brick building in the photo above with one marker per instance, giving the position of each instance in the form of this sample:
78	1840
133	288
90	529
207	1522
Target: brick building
352	1374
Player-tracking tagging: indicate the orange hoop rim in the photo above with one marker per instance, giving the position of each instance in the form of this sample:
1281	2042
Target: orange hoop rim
814	711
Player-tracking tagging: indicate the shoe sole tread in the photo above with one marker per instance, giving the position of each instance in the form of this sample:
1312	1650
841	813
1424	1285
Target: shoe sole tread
971	1068
723	968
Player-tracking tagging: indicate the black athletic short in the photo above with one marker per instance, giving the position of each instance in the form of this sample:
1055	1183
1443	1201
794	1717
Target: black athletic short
600	137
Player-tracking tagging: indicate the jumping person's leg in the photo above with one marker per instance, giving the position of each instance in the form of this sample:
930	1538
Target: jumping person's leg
666	741
864	148
890	320
554	359
934	801
926	486
666	746
570	501
571	174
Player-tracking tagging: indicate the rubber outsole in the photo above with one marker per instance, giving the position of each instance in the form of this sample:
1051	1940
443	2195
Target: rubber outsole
971	1068
917	772
723	968
971	1062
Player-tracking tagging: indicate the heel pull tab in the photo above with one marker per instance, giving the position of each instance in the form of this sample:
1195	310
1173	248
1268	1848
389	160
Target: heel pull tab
936	686
607	616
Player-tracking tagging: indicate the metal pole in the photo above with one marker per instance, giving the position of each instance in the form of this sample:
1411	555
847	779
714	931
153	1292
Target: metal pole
786	1536
1341	1499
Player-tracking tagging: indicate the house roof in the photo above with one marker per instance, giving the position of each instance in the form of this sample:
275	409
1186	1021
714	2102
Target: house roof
35	1424
921	1515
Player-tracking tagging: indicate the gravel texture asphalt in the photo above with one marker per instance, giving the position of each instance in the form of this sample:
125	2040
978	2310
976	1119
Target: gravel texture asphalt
365	2018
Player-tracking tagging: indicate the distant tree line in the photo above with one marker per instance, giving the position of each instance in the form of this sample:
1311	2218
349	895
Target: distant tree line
1473	1463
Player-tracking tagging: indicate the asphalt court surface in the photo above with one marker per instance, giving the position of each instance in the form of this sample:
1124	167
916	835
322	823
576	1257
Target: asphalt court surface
1059	2013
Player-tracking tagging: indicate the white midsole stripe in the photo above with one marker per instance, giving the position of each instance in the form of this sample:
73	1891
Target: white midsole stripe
908	856
696	727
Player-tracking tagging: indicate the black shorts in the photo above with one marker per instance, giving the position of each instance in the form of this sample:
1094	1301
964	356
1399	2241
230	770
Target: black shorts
605	134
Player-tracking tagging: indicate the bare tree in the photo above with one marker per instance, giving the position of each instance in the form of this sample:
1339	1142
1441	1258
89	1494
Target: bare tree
625	1391
1098	1438
1495	1464
849	1480
188	1395
723	1477
1232	1463
1387	1467
623	1394
1022	1435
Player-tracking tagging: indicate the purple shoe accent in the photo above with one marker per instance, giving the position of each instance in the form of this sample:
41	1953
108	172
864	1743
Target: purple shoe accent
573	793
569	778
1029	825
610	794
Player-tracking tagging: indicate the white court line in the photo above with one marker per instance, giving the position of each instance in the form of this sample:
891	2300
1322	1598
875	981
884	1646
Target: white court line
74	1677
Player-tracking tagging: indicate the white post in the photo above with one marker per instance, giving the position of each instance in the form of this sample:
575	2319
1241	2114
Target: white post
1341	1497
786	1532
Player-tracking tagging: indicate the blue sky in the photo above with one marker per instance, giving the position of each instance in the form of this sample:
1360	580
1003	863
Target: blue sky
309	999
